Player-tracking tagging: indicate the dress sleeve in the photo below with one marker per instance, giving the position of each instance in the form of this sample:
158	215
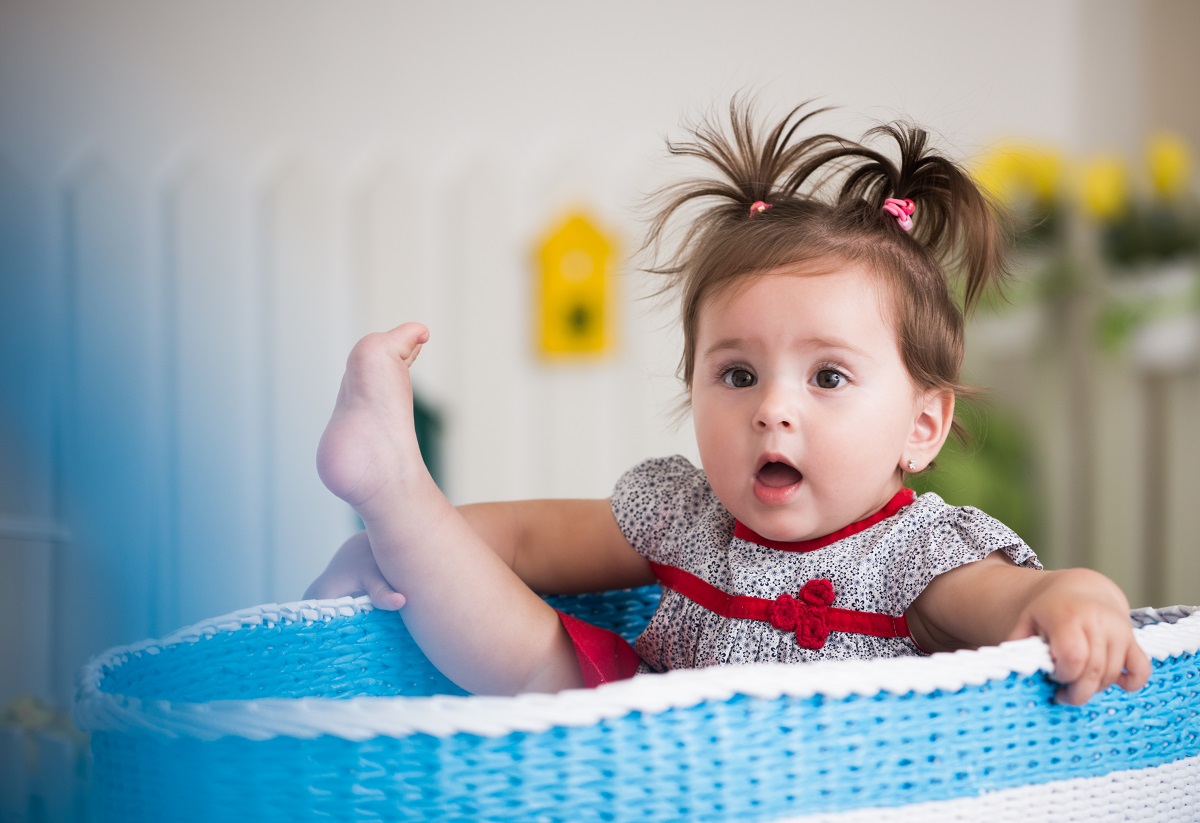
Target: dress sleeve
652	497
952	537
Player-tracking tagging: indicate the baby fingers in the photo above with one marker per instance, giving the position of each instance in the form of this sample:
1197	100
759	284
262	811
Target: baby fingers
386	598
1088	663
1137	669
1076	665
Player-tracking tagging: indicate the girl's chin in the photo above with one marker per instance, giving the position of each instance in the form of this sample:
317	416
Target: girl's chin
780	526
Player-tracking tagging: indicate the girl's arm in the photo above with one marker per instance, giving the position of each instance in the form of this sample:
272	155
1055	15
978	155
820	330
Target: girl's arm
1083	616
560	546
554	546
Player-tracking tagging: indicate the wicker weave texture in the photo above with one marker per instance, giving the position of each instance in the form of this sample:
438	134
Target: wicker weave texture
725	754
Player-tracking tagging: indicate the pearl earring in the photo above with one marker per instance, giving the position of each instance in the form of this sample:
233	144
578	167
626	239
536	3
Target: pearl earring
912	465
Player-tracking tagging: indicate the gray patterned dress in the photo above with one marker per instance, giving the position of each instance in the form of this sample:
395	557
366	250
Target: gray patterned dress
668	512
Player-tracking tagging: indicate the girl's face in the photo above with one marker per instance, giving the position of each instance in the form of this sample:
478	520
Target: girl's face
804	412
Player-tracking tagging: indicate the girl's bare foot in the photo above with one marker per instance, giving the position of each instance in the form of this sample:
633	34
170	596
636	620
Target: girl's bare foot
369	452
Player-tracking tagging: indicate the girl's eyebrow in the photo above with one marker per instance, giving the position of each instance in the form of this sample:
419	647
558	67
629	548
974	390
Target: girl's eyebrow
737	344
824	343
728	344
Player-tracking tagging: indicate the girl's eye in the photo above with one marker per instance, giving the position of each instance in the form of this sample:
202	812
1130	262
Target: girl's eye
738	378
830	379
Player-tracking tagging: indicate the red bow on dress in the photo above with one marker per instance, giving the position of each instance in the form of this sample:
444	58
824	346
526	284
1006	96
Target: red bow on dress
807	615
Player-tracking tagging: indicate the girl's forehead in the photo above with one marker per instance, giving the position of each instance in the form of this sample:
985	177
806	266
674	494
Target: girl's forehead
826	282
780	305
731	285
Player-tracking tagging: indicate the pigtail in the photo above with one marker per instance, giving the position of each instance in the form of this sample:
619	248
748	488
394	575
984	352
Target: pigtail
753	174
954	220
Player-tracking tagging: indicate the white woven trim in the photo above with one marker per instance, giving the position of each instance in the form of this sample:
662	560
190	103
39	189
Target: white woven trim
1170	792
362	718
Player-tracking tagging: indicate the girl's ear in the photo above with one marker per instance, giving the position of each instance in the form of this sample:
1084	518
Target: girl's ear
931	427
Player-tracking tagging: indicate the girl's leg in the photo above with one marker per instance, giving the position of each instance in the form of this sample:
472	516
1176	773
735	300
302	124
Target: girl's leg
467	610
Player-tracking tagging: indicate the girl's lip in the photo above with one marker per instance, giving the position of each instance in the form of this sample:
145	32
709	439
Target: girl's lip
774	490
772	457
775	495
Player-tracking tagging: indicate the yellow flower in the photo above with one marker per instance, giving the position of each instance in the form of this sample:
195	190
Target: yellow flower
995	174
1015	173
1170	164
1044	169
1104	187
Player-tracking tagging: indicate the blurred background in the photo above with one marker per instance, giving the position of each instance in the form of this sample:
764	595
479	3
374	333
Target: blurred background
202	207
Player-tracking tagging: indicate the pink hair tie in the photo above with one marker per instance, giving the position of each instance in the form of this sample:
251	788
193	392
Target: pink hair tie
902	210
758	207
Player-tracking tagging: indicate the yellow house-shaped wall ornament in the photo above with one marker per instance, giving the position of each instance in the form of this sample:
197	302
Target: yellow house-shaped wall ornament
575	265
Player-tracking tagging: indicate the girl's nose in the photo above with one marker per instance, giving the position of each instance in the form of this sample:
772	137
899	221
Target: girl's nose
776	411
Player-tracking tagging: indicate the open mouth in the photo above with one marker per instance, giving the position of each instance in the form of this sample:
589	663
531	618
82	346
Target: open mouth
776	475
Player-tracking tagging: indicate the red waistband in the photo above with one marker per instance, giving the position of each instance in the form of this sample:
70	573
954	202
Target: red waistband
808	613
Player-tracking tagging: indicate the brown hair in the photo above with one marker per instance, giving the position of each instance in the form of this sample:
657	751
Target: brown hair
956	227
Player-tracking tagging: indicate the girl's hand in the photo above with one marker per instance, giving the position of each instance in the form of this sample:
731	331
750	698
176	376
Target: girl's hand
1084	618
351	572
1082	615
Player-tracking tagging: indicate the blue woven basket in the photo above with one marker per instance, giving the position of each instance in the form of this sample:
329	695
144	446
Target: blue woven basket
327	710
